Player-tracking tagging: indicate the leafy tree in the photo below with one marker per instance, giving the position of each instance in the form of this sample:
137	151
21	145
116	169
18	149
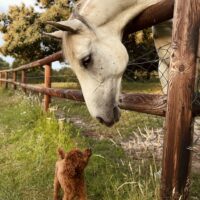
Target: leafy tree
3	64
22	29
22	39
65	74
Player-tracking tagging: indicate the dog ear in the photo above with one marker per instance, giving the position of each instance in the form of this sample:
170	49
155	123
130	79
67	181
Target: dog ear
61	153
88	152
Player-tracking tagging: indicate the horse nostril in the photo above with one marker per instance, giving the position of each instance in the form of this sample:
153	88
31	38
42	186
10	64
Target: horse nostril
116	113
100	120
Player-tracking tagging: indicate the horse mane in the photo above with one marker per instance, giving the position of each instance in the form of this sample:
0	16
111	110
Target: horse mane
79	4
75	14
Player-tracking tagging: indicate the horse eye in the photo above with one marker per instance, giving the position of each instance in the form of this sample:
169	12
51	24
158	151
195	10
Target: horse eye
86	61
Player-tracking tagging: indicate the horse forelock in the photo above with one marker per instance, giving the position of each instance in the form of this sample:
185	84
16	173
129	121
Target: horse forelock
72	51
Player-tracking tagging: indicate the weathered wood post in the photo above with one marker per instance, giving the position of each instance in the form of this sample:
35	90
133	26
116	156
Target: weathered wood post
176	156
6	77
47	83
14	80
23	78
0	78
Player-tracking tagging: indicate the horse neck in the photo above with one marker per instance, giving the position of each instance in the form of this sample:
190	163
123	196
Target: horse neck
102	12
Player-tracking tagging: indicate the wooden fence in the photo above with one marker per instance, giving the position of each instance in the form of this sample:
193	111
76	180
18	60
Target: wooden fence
179	106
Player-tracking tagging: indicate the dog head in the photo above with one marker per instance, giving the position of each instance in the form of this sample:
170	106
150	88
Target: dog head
75	161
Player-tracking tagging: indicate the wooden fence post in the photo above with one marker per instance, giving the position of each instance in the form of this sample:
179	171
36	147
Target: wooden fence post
23	78
175	180
14	80
6	77
1	78
47	83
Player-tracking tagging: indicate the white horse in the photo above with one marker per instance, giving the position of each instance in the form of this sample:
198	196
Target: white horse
91	42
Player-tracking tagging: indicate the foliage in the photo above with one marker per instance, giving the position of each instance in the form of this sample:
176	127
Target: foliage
3	64
22	38
45	3
22	29
141	50
65	74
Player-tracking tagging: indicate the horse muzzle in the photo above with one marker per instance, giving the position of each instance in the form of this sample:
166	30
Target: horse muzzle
114	117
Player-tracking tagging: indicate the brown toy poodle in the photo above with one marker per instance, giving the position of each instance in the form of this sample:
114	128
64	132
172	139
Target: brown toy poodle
69	174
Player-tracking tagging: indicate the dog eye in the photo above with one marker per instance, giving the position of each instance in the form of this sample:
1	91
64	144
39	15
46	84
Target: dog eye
86	61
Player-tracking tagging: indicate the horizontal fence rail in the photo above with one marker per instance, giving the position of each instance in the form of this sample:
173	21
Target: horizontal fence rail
49	59
145	103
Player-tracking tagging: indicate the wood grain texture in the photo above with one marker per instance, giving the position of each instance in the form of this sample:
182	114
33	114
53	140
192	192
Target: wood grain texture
145	103
178	137
14	79
1	77
23	78
6	78
153	15
48	59
47	84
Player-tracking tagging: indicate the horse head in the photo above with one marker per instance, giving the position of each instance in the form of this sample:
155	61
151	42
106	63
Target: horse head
98	58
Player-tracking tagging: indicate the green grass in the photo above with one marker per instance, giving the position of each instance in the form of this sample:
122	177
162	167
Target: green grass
129	121
71	85
142	86
29	139
134	86
28	142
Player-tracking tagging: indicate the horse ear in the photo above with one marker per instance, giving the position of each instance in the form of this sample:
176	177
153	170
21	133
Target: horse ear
73	25
69	25
57	35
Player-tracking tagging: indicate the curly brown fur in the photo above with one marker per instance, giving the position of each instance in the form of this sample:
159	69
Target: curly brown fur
69	174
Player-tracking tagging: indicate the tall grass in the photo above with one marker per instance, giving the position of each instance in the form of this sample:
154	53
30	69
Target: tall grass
28	148
29	139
